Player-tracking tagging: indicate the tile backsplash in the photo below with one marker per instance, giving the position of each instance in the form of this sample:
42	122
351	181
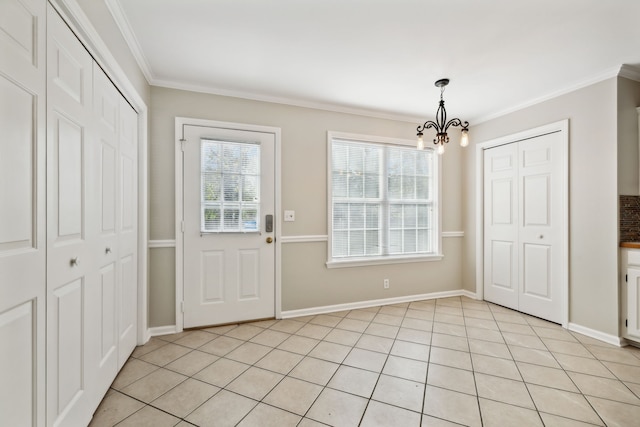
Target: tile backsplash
629	218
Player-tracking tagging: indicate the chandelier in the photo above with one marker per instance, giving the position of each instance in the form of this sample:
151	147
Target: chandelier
441	125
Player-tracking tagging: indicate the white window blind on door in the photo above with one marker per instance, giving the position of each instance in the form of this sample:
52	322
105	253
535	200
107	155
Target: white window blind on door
382	201
230	186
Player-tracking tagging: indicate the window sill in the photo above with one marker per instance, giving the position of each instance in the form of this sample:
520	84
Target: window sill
363	262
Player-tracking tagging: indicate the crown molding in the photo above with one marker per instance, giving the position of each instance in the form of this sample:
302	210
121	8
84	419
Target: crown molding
122	22
605	75
295	102
630	72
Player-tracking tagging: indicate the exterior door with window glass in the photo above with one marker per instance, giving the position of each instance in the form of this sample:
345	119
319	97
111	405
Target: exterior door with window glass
229	225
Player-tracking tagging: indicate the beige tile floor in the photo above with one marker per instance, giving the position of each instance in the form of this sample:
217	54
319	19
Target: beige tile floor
445	362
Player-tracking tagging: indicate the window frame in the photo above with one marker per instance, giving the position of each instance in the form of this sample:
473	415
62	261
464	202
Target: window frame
436	255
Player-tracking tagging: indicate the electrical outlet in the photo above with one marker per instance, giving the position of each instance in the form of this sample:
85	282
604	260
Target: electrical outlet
386	283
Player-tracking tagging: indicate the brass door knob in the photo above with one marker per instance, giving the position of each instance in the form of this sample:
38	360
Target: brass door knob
269	240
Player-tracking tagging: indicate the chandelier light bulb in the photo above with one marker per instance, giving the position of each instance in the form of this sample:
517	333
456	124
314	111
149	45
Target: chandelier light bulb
464	139
420	145
440	148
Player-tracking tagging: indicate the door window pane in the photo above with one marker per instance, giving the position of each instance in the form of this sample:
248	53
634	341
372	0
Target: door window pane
230	186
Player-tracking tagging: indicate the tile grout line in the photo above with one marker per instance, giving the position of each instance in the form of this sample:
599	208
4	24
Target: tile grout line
395	339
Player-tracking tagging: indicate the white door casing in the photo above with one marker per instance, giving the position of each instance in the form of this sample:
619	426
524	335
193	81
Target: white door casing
22	212
228	276
540	255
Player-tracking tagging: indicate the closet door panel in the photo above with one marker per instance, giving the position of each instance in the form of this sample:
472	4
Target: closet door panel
128	232
501	225
72	278
17	151
106	105
22	212
540	230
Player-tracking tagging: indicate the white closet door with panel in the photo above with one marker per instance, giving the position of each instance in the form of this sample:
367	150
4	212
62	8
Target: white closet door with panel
540	231
91	227
73	285
501	225
127	223
106	106
22	212
523	227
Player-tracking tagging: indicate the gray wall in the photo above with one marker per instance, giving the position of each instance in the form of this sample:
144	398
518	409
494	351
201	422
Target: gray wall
306	282
593	197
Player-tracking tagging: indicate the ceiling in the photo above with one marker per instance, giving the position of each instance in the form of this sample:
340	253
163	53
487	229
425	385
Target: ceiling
381	57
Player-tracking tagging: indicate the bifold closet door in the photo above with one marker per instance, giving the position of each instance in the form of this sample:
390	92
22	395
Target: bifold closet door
127	224
22	212
523	226
116	254
501	225
92	229
106	112
73	283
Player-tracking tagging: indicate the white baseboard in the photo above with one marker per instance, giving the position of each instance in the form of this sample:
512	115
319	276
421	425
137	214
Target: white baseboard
601	336
468	294
162	330
372	303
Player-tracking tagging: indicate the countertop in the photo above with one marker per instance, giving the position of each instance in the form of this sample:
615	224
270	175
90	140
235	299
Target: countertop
632	245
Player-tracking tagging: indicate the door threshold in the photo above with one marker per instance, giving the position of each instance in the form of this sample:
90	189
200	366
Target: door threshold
240	322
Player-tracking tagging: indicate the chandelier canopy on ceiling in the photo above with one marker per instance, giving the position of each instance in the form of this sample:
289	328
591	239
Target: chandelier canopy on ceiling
441	125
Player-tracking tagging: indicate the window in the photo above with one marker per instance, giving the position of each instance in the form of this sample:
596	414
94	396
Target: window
382	201
230	186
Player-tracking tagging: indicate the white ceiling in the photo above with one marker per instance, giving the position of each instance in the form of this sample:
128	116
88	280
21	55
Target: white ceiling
381	57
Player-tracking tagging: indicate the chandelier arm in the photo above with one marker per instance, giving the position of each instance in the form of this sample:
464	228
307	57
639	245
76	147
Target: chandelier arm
455	123
428	125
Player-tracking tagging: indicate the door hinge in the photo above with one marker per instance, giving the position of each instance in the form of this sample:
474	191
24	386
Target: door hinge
182	144
626	323
182	226
626	277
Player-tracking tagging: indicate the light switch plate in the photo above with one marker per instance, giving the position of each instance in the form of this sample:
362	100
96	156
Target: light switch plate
289	216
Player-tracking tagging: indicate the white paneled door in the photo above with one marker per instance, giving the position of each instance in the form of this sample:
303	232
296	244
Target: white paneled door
501	225
91	229
22	212
127	227
72	285
523	226
229	225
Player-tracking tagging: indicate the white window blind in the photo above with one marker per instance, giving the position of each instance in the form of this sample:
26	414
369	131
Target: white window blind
382	201
230	186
